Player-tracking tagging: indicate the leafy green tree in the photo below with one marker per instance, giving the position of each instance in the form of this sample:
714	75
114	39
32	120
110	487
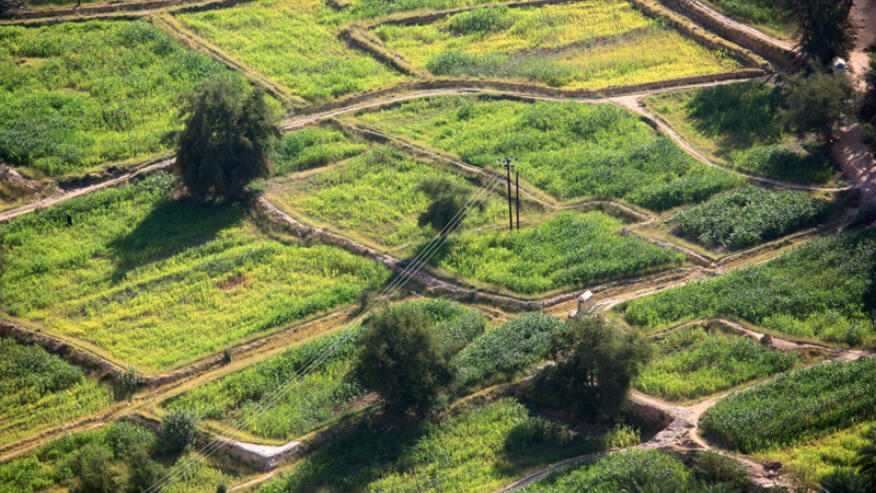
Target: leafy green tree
401	360
826	31
225	141
178	430
143	472
868	105
447	200
595	364
94	471
816	102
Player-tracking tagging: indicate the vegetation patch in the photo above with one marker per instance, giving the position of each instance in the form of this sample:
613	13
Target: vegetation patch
740	125
570	150
795	407
693	362
77	95
40	391
569	250
822	290
322	395
747	216
105	268
583	45
376	195
312	147
506	350
812	459
774	17
611	473
480	450
118	457
293	43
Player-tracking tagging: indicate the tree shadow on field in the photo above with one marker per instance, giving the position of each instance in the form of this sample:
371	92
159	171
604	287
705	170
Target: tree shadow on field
738	115
171	227
358	457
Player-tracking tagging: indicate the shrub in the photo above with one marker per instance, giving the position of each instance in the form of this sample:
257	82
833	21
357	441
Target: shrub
93	471
485	20
178	430
129	382
715	468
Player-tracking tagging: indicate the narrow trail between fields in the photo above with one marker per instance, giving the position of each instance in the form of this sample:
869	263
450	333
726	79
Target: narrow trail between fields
727	21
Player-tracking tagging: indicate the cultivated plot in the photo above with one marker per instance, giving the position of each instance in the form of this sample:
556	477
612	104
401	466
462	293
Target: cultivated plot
294	43
75	96
587	45
774	18
696	362
820	291
569	250
739	125
41	391
107	269
376	195
570	150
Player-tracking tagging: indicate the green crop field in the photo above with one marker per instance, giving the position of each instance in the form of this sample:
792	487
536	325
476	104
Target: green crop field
822	290
739	125
480	450
747	216
132	252
321	396
53	466
570	150
608	474
770	16
41	391
504	351
294	44
375	196
569	250
312	147
813	459
694	362
584	45
795	407
75	96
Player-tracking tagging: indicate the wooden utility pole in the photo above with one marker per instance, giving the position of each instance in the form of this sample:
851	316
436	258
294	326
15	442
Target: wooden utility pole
517	195
508	163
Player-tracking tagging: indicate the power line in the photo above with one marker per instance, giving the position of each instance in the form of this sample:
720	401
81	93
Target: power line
397	283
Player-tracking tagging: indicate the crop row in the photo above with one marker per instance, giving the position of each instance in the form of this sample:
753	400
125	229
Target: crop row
821	290
794	407
747	216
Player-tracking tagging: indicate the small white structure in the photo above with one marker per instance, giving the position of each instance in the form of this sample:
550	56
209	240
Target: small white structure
586	304
839	65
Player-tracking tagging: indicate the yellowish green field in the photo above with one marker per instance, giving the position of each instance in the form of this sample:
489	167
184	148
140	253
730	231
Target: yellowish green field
816	458
158	282
583	45
374	196
294	43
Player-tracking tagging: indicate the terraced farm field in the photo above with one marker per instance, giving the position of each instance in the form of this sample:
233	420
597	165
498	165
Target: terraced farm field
572	151
819	291
294	44
696	362
568	250
131	251
76	96
583	45
377	196
685	306
41	390
739	125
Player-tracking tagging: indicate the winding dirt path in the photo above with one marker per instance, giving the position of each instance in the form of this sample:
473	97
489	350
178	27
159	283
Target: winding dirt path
727	21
